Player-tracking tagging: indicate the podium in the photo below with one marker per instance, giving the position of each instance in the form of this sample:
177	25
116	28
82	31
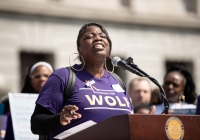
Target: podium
140	127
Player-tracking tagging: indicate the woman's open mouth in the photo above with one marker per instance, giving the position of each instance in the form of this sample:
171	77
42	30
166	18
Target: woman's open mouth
98	47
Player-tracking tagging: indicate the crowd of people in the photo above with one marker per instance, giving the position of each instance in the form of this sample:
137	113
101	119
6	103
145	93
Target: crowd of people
178	85
97	95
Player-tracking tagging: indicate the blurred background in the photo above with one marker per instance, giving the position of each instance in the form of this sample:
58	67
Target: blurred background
155	33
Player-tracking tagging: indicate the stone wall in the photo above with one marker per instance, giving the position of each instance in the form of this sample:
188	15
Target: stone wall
150	32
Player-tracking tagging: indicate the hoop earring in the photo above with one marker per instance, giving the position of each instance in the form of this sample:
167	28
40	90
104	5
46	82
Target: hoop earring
182	99
106	66
73	67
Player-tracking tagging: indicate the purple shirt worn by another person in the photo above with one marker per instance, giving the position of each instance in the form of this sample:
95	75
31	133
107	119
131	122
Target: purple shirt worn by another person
96	105
198	106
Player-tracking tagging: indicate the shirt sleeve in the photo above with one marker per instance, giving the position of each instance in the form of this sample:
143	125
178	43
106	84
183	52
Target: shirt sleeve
43	122
52	93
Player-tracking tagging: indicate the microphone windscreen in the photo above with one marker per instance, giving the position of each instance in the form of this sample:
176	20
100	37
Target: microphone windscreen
115	60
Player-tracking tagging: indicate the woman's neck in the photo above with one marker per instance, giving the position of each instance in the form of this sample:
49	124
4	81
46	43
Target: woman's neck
96	70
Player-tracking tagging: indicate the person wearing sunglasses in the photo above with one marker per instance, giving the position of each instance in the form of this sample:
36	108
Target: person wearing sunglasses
37	75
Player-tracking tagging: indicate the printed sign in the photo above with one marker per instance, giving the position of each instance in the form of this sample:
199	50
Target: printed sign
22	106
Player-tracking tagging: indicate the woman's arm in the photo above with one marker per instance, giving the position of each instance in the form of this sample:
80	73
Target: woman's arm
44	122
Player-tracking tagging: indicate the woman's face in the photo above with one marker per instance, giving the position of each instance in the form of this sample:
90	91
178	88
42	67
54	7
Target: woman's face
94	45
174	86
38	77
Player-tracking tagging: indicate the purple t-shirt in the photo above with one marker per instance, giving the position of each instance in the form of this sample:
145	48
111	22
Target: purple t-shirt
96	105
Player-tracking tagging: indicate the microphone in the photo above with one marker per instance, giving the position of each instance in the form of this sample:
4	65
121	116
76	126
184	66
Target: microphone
117	62
130	66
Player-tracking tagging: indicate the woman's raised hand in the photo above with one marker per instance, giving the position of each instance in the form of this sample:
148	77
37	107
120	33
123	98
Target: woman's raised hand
69	113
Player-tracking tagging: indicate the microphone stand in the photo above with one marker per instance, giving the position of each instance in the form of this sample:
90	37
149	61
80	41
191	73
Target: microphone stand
129	61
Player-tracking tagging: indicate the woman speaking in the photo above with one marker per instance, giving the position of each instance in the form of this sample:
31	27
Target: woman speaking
96	95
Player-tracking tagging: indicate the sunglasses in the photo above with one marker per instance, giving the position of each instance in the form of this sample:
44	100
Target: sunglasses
38	76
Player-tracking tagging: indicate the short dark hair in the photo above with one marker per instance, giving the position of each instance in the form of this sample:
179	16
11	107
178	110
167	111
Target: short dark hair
83	29
189	89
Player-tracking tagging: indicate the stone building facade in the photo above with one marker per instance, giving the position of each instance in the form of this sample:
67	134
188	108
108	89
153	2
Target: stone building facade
156	33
